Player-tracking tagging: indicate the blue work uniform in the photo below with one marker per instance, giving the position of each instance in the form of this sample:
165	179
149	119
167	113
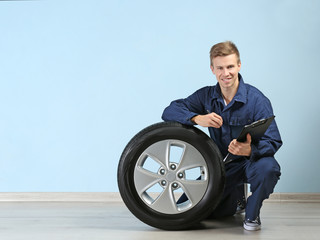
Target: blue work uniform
260	169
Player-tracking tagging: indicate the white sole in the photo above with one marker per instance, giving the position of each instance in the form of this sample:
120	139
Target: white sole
251	228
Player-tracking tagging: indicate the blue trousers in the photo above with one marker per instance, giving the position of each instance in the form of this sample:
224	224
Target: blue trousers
262	175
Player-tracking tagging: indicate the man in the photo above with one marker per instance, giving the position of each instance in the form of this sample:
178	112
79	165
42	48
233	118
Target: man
225	108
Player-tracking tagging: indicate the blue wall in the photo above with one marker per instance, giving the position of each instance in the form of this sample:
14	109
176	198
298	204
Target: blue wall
79	78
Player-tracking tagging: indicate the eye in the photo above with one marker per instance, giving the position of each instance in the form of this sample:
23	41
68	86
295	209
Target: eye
231	66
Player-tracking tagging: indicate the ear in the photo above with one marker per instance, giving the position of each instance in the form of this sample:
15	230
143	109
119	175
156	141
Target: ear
212	69
239	65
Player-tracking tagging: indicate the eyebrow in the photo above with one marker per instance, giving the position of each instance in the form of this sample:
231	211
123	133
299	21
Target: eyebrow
231	65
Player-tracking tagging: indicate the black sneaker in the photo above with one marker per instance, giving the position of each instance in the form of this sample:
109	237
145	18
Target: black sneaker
252	225
241	206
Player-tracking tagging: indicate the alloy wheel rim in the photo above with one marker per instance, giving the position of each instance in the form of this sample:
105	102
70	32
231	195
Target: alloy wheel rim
168	169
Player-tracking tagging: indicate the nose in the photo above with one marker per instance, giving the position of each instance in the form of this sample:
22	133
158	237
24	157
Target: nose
225	72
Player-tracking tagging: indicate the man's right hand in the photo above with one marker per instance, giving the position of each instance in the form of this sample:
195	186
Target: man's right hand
208	120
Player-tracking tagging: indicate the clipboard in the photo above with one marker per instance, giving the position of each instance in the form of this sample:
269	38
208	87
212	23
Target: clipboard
255	129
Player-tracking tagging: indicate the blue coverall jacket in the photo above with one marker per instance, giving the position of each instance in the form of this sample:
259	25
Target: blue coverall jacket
247	106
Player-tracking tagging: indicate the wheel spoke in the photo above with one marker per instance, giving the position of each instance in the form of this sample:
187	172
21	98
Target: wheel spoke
191	158
194	189
144	179
159	152
165	203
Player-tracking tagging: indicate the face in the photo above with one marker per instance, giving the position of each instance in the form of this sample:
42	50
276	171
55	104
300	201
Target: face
226	69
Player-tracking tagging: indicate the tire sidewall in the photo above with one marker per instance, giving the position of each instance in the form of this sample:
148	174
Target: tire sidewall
164	131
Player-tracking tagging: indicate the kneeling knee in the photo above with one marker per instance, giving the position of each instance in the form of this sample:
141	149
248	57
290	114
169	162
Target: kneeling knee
268	168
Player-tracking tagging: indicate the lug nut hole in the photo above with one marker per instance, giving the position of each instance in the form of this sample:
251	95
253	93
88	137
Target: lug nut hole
173	167
180	175
175	185
163	182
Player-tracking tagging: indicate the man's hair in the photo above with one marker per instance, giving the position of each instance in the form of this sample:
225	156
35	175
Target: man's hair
223	49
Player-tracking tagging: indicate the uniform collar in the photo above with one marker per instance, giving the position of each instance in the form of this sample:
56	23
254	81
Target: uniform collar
241	95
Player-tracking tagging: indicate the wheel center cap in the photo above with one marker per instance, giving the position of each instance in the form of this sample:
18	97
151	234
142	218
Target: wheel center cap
171	177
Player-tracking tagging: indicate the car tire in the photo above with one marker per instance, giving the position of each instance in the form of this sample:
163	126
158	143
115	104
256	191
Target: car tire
171	176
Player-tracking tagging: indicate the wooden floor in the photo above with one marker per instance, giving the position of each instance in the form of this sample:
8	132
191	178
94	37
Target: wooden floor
90	221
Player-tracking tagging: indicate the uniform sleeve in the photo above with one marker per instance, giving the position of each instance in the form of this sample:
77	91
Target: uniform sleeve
271	141
183	110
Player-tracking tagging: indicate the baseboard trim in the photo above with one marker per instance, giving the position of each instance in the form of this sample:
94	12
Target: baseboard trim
115	197
295	197
61	197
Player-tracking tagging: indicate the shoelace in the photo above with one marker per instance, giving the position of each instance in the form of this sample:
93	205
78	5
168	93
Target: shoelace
256	221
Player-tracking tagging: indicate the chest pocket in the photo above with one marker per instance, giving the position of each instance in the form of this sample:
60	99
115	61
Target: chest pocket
214	107
236	124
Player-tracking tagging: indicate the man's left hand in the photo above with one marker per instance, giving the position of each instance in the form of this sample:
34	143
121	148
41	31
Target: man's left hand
240	148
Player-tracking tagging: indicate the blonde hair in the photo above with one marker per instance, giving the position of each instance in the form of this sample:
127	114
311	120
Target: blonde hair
223	49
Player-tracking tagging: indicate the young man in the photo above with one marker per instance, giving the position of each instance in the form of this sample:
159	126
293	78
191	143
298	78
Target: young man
225	108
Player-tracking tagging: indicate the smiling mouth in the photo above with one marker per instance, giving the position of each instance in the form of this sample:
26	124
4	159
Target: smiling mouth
226	79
